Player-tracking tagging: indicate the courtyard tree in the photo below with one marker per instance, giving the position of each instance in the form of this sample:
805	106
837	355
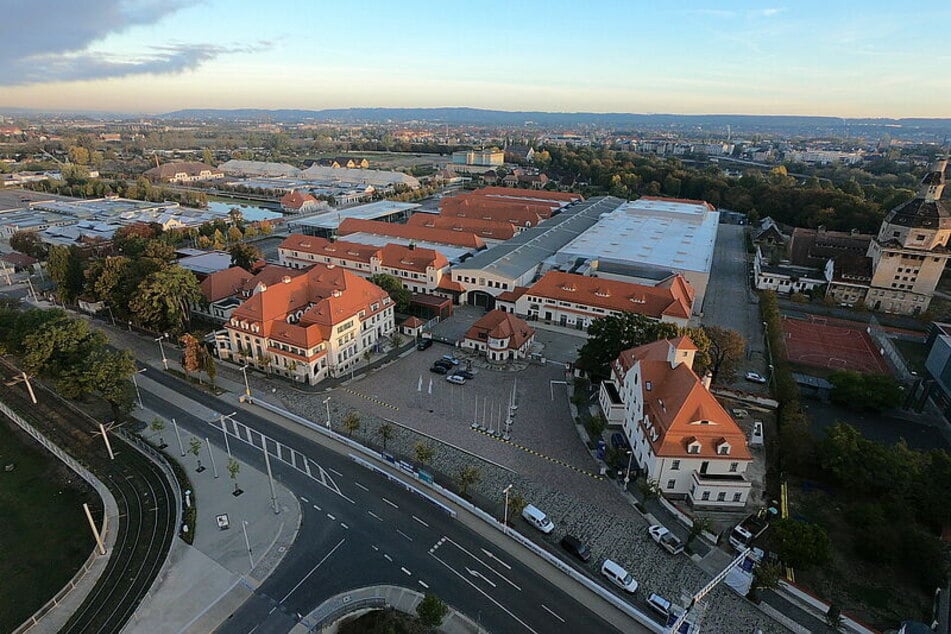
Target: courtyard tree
194	448
351	422
386	431
164	297
234	467
873	392
66	270
423	453
727	349
158	426
191	353
244	255
467	476
801	544
608	336
395	289
431	611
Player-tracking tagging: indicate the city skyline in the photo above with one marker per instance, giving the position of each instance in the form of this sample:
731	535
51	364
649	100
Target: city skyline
144	56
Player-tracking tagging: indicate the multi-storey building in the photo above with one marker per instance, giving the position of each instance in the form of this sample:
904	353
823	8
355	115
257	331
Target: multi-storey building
309	326
420	270
679	433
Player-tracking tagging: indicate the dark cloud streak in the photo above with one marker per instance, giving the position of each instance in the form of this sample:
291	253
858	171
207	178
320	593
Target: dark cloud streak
43	42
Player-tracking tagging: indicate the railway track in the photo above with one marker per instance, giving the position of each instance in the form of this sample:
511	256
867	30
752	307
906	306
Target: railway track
144	495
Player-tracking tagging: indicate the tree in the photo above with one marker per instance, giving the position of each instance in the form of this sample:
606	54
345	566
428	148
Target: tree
233	469
194	448
608	336
207	156
395	289
697	526
467	476
234	235
801	544
244	255
766	575
164	297
78	154
386	431
423	453
872	392
351	422
158	425
208	365
727	348
516	502
191	353
649	488
431	611
66	271
29	243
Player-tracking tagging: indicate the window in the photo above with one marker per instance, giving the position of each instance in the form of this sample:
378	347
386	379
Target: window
734	466
721	496
705	495
694	448
737	497
724	449
671	484
675	465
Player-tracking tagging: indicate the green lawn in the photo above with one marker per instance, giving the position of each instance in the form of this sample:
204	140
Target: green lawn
44	536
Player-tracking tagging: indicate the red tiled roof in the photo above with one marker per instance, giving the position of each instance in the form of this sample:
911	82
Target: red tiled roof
512	295
413	322
529	193
497	324
653	301
296	200
324	247
408	232
487	229
225	283
449	284
398	256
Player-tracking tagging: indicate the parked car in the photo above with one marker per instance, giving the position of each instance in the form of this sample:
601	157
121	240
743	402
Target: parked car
665	538
618	576
451	359
438	369
660	605
455	378
618	441
422	344
538	519
464	374
443	364
576	547
755	377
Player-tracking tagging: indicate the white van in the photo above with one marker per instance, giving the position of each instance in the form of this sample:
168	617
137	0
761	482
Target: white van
618	576
537	519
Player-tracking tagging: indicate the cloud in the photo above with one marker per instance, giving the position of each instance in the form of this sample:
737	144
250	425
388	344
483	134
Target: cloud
768	13
40	43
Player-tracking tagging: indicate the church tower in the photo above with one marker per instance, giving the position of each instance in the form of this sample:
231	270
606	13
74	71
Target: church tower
911	249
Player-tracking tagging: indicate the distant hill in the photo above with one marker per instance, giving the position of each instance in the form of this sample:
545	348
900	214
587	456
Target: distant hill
475	116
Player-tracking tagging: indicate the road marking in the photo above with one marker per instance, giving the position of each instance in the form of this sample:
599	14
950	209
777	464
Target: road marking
374	515
313	570
344	525
272	610
404	534
479	575
390	503
361	486
387	557
499	574
374	547
491	556
335	471
423	583
304	500
332	518
483	593
317	507
406	571
421	521
547	609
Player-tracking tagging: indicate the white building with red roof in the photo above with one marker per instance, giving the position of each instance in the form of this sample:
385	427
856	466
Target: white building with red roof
500	336
419	269
574	301
299	202
307	325
680	434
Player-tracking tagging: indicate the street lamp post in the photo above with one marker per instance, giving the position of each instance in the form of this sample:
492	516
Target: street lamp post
224	429
327	404
138	394
505	511
247	386
627	476
162	349
247	542
111	315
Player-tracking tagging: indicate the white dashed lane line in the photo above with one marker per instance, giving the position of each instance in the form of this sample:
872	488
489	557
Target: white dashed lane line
404	534
387	557
335	471
361	486
374	515
317	507
547	609
393	504
421	521
406	571
423	583
332	518
343	525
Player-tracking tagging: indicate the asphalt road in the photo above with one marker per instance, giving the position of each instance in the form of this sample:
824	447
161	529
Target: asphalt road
359	529
146	505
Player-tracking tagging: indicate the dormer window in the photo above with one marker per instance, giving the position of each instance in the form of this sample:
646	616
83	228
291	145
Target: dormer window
723	449
693	446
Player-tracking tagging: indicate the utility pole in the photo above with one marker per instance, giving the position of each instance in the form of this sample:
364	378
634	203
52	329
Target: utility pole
211	455
247	386
179	436
105	437
270	476
505	512
224	430
162	350
95	531
247	542
138	394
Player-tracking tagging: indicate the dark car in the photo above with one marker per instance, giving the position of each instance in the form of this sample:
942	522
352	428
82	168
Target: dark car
618	441
464	374
438	369
422	344
442	363
576	547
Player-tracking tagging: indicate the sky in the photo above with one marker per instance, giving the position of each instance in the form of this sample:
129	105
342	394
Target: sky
848	59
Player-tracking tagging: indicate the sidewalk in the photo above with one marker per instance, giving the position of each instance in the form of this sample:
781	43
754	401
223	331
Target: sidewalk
202	584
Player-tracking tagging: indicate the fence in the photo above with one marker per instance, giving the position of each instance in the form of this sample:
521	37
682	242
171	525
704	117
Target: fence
552	560
889	351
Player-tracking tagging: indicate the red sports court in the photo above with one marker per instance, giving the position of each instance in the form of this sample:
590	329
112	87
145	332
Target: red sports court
815	343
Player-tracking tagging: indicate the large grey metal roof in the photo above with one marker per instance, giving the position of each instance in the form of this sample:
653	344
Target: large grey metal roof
527	250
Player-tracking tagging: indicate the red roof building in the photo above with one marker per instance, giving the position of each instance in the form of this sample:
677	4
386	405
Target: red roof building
500	336
297	202
463	239
487	229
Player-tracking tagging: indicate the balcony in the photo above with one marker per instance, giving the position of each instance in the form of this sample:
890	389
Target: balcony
611	404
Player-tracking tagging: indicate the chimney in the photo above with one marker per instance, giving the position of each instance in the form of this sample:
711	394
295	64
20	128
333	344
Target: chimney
706	380
286	279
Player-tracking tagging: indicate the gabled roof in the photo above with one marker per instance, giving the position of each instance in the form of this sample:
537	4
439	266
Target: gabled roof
421	234
335	249
530	193
498	324
225	283
674	300
484	228
398	256
296	200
